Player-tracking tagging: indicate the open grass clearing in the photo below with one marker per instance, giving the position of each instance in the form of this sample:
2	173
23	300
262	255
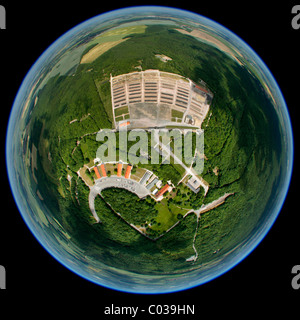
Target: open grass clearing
120	111
165	218
87	179
119	118
177	114
138	173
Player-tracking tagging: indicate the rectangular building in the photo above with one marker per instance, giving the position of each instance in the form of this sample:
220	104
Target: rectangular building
145	177
97	172
103	171
120	166
128	171
124	124
162	191
150	185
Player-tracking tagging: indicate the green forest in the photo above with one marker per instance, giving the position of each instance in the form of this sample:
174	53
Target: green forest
241	139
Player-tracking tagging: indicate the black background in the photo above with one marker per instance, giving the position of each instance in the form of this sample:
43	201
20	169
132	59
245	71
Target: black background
260	283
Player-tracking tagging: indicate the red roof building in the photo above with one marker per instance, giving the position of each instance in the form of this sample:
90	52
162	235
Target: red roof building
97	172
128	171
119	169
103	171
124	124
163	190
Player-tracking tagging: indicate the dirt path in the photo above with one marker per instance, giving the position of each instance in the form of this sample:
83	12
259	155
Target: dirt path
204	208
211	205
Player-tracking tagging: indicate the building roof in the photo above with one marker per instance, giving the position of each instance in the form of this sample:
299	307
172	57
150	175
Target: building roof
163	190
152	183
128	171
120	166
124	124
103	170
145	177
202	88
97	172
195	182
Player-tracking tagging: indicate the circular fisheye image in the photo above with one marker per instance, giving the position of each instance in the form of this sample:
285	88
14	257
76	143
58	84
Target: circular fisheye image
149	150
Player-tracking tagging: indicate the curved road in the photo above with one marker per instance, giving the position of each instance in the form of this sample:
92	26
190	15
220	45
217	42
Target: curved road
114	182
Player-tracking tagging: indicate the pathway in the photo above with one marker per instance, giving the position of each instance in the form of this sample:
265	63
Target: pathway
114	182
202	209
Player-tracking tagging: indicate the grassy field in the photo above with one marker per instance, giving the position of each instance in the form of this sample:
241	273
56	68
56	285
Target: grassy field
121	111
167	215
177	114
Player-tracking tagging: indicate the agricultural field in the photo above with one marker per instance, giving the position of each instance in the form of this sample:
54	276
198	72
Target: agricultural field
108	40
98	50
